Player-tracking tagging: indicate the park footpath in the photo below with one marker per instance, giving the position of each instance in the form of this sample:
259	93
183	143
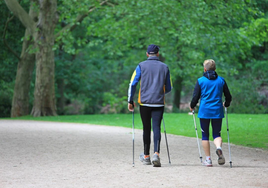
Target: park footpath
66	155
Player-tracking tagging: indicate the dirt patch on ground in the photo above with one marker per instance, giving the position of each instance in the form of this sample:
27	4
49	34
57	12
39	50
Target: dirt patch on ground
49	154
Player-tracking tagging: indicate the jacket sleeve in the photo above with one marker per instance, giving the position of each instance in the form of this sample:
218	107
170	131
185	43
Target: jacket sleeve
196	95
133	83
168	84
227	94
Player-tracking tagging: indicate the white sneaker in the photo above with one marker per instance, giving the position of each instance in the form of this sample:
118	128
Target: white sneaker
207	163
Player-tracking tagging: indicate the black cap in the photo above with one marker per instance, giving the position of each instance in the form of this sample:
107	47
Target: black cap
152	49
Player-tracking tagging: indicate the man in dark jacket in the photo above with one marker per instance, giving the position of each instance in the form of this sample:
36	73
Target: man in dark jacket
155	82
209	89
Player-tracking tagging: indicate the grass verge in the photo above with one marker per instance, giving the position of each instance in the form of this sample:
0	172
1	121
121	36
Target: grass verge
244	129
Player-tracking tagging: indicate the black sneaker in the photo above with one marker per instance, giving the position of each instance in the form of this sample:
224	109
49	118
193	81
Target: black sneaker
221	159
156	161
145	161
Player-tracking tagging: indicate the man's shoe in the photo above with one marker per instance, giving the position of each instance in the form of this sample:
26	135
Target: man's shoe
145	161
221	159
156	161
207	163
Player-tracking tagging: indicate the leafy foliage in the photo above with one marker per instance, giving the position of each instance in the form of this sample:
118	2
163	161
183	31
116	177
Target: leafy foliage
95	59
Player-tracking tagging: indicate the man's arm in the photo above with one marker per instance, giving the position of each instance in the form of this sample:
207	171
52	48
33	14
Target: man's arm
133	83
168	84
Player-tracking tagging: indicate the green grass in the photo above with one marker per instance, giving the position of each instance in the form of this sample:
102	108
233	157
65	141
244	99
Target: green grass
244	129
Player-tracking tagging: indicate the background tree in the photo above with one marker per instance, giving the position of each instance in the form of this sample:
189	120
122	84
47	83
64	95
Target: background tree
42	32
11	40
20	102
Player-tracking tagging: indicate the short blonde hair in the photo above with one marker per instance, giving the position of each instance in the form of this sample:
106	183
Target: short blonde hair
209	64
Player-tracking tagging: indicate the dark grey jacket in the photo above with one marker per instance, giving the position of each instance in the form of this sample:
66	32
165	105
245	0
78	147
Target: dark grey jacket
155	82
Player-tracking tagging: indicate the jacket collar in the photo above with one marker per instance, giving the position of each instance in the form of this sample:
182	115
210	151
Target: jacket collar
153	58
211	75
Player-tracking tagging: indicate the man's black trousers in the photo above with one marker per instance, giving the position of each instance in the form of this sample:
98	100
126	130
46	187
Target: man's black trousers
151	115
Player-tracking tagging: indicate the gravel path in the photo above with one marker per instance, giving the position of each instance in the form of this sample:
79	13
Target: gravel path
62	155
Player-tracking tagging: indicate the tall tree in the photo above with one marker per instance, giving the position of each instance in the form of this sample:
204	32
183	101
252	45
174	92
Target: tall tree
9	55
42	34
44	94
42	30
20	102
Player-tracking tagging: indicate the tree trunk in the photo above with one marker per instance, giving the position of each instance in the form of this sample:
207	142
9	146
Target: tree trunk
177	87
20	102
44	94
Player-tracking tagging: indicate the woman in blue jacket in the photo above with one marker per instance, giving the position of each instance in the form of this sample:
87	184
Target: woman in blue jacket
209	89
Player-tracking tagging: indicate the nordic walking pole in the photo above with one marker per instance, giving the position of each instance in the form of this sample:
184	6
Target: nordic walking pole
166	139
228	137
197	137
133	136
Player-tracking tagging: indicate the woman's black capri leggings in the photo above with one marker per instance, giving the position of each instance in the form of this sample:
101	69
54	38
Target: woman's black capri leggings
216	128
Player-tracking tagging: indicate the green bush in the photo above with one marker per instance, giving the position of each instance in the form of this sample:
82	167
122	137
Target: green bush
6	98
246	99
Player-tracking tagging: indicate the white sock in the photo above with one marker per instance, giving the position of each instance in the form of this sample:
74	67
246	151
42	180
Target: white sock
208	158
219	148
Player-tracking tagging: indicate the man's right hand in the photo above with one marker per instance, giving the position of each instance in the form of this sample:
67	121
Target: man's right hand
131	107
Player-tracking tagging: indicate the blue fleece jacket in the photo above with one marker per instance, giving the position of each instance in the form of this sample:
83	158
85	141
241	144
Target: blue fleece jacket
209	89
